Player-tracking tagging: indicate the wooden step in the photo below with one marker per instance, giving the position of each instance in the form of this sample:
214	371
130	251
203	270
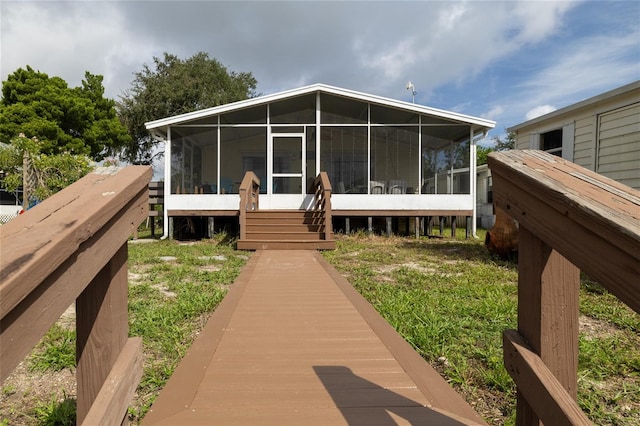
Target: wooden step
285	230
289	227
284	235
286	245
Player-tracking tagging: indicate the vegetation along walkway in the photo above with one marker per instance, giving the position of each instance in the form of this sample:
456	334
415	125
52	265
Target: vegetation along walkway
293	343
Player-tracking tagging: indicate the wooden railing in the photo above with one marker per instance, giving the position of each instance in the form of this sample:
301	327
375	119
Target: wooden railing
570	219
70	248
322	203
249	199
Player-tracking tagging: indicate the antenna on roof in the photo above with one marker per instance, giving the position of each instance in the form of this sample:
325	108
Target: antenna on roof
412	88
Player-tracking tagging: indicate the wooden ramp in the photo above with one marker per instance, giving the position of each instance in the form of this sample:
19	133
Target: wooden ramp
293	343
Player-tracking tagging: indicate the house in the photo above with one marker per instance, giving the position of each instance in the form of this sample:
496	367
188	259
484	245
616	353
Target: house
485	217
384	158
601	133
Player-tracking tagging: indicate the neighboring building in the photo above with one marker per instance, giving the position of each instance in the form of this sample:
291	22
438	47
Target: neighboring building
601	134
485	217
384	158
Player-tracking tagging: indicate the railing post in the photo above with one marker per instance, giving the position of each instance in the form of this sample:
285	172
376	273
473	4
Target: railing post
249	199
243	212
548	286
101	328
328	218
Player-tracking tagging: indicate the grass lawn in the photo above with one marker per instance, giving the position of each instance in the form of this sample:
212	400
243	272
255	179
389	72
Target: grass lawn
451	300
447	297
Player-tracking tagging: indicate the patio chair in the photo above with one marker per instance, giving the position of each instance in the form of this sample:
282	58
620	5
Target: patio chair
376	187
397	186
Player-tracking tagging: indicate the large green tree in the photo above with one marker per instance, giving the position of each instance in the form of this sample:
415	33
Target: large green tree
172	86
76	120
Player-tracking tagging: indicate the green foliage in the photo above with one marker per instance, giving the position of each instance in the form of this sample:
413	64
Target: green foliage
498	145
53	172
481	154
56	413
75	120
504	144
173	86
56	351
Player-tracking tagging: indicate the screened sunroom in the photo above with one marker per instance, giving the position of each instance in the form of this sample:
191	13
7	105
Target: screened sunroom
383	157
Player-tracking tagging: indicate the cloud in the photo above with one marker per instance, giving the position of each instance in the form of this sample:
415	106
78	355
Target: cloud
67	39
534	21
496	59
539	110
493	113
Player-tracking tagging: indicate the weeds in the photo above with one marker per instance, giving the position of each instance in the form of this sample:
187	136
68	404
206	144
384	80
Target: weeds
56	413
56	350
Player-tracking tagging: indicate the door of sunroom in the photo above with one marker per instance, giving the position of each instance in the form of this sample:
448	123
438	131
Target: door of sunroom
287	181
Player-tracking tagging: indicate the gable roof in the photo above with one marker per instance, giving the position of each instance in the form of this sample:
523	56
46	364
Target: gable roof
321	88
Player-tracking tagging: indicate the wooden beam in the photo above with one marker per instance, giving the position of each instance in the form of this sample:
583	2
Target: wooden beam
538	385
112	402
59	225
548	287
591	220
102	329
23	326
453	226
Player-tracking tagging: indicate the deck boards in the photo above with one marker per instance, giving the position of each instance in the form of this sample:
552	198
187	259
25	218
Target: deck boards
288	346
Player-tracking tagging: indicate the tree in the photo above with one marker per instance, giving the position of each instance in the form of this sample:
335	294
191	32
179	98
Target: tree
508	143
77	120
481	154
23	165
173	86
498	145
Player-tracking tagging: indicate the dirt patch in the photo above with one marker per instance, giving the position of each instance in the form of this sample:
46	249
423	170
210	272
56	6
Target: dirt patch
210	268
593	328
164	290
24	390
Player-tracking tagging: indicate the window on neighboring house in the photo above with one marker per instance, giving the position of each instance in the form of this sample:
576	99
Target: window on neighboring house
552	142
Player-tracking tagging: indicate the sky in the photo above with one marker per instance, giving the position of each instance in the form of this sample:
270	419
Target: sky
507	61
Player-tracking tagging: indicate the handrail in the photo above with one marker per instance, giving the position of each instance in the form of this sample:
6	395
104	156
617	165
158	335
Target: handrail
249	199
73	247
322	202
569	218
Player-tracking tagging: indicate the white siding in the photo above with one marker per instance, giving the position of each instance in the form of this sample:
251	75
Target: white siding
619	145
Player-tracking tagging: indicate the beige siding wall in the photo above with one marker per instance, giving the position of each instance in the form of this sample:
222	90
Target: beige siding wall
522	140
583	137
619	145
606	135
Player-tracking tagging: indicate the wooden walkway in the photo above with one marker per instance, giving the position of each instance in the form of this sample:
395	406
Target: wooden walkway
293	343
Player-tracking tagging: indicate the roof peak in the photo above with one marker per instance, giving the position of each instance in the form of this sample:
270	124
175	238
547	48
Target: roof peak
322	88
